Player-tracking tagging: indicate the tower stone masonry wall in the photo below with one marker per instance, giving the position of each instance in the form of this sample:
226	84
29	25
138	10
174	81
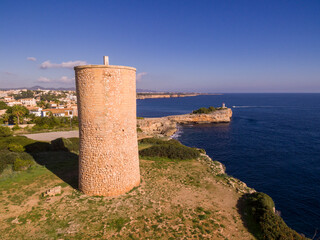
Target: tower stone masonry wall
108	158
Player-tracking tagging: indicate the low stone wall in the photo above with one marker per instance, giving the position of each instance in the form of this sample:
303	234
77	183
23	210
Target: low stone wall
22	125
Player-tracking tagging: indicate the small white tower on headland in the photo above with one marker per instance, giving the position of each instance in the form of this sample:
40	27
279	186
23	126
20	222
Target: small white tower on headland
223	105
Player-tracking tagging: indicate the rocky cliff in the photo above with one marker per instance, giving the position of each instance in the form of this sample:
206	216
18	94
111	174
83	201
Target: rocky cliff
219	116
168	125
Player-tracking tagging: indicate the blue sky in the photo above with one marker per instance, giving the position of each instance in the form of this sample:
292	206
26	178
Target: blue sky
205	46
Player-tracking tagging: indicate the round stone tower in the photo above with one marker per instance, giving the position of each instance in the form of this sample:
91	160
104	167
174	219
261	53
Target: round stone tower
108	159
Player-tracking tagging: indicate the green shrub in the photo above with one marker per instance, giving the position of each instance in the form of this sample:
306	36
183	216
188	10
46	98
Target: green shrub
5	132
204	110
13	147
8	158
157	141
38	147
172	151
201	150
15	127
29	144
54	122
22	164
264	222
174	142
20	140
151	141
65	144
75	144
3	105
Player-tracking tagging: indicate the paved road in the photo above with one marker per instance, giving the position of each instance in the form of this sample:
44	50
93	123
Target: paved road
49	136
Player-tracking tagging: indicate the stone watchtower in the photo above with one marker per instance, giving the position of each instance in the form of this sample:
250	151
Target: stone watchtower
108	159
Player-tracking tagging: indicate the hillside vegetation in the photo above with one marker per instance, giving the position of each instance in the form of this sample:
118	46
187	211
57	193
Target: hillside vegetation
177	199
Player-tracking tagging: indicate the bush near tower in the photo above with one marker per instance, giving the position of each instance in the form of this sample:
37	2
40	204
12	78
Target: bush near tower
171	149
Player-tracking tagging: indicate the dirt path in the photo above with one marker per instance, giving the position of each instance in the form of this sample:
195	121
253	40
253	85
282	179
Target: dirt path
49	136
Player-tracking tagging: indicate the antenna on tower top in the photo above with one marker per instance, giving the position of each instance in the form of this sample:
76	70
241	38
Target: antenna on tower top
105	60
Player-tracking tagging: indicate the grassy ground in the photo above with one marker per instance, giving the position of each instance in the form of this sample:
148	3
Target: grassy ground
176	200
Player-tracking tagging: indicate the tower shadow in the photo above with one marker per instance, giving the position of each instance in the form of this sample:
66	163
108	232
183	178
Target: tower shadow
63	163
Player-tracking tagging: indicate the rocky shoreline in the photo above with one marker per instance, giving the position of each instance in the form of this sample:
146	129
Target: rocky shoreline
219	170
146	95
167	126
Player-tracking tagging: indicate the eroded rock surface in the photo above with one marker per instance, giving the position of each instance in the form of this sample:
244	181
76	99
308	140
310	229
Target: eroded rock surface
167	126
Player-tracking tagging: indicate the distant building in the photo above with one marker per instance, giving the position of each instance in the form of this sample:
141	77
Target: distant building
72	97
64	112
13	102
8	99
53	105
74	108
223	105
35	110
3	94
28	102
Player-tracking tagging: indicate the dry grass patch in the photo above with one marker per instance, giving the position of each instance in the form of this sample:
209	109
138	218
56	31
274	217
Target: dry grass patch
176	200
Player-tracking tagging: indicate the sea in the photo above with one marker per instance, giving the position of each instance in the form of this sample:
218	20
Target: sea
272	144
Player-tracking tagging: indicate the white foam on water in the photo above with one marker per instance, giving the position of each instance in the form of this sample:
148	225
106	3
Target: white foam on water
255	106
178	133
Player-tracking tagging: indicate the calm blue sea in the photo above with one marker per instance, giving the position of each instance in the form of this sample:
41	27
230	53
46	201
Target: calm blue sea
272	144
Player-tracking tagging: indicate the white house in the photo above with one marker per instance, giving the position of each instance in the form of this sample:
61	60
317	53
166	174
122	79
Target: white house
35	110
13	102
28	102
64	112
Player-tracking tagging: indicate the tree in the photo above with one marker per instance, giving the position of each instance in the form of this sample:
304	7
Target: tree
3	105
5	132
5	117
49	114
18	111
24	94
43	104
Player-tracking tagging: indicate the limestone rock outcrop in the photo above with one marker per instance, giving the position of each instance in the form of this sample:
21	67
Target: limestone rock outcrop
218	116
158	126
167	126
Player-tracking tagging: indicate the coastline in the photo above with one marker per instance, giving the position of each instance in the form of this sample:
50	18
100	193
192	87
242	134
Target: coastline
147	95
167	126
219	171
170	127
198	188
